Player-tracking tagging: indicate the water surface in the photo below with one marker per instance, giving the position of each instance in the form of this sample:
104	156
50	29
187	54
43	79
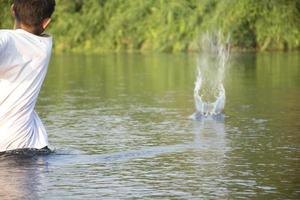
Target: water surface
120	127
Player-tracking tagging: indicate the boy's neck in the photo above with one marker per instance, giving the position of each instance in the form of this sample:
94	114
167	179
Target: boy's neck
27	28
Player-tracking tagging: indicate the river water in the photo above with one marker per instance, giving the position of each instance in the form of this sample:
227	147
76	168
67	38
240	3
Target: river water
120	127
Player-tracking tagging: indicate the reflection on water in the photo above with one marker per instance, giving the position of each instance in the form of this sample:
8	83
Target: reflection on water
21	176
211	132
120	129
210	160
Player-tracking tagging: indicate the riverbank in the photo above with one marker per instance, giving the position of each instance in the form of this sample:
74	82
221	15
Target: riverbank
170	26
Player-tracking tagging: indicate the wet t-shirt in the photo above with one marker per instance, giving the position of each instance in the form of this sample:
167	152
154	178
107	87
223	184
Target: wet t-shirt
24	59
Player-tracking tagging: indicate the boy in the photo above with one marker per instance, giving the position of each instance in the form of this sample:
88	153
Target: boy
24	58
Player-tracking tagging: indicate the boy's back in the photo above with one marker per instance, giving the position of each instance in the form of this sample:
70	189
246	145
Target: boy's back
23	66
24	58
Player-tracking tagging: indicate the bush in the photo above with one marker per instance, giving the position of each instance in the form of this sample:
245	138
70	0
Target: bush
169	25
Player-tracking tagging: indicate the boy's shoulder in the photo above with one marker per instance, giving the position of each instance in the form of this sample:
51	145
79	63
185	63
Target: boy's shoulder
21	41
16	34
8	36
6	30
5	34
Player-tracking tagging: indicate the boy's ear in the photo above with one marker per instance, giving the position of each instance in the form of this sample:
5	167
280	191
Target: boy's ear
46	22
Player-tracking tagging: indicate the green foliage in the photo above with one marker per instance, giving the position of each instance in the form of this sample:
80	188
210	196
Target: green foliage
169	25
6	21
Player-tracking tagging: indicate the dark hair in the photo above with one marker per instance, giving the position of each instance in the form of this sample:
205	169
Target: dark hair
33	12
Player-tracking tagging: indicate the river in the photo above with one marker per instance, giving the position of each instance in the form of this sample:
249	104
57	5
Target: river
120	128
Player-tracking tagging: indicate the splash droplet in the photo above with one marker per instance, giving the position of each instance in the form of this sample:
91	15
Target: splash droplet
209	91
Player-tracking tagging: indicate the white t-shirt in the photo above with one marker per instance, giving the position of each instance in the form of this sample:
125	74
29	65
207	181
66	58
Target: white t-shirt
24	59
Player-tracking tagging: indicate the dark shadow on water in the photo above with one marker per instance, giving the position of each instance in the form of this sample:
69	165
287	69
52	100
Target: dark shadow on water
27	152
63	157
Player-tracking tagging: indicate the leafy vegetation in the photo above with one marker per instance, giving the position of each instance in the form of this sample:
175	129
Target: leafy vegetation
169	25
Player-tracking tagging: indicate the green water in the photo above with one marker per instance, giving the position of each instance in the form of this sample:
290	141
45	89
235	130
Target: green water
119	123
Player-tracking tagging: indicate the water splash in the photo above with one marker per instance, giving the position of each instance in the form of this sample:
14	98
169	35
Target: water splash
209	91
